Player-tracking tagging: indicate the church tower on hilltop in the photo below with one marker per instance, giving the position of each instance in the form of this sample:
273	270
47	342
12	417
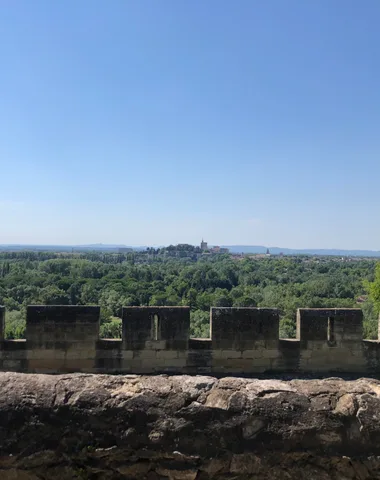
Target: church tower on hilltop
203	245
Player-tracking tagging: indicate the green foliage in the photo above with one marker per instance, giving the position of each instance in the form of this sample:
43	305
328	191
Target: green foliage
287	328
111	329
14	325
371	308
52	295
181	275
370	320
373	289
200	324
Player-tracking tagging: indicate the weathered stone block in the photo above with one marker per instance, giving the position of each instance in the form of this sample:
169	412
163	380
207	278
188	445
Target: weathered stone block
125	364
176	362
262	362
48	366
109	354
82	365
127	354
222	362
252	353
259	344
243	365
79	354
45	354
231	354
155	344
270	353
14	354
13	345
167	354
145	354
13	365
271	344
217	353
133	363
306	354
149	365
240	364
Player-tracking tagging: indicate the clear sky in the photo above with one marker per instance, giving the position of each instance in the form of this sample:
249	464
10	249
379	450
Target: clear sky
156	122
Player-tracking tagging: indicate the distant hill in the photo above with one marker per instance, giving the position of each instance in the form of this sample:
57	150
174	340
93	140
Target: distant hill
99	247
291	251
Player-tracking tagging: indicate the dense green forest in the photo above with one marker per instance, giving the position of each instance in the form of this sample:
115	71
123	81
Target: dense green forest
183	276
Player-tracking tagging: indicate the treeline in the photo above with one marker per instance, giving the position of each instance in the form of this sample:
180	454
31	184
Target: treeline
116	280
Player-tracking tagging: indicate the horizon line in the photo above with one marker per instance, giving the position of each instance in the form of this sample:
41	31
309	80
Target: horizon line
116	245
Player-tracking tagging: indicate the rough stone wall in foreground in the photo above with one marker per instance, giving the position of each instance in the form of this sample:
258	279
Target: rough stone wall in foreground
244	341
80	426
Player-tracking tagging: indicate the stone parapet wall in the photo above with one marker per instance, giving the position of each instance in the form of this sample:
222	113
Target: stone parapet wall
244	341
182	427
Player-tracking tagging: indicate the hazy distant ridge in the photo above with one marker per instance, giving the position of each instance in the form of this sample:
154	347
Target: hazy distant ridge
294	251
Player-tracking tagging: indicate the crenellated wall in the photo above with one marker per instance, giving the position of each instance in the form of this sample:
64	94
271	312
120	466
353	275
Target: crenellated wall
156	340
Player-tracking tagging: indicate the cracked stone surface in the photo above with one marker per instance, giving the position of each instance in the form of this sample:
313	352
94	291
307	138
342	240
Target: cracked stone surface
187	428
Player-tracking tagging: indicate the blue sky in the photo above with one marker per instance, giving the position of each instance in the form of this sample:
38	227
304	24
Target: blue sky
146	122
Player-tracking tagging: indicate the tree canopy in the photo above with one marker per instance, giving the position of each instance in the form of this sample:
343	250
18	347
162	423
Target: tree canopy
183	276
